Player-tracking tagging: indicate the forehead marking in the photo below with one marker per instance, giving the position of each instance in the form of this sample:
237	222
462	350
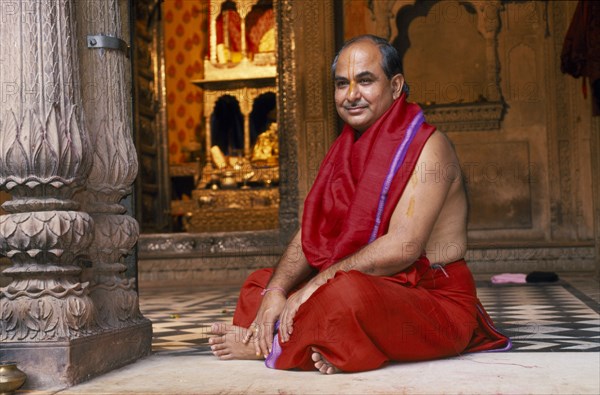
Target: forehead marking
351	68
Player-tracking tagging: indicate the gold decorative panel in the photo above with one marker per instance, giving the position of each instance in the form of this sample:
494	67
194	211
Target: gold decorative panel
230	210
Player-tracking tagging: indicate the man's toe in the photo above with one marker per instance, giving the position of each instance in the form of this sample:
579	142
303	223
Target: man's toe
216	347
216	340
226	357
221	353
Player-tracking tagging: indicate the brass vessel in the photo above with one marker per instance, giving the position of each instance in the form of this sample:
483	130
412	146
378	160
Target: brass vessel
11	378
228	181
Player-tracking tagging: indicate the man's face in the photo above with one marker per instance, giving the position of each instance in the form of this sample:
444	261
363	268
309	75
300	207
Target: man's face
362	90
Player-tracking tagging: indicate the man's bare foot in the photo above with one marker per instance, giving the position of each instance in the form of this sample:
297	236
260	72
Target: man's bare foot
322	364
228	342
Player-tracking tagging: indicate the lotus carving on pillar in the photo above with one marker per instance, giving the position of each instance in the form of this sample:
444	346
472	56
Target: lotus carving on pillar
42	163
113	172
42	159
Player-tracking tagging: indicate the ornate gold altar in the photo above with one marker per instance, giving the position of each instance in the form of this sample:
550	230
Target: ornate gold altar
238	185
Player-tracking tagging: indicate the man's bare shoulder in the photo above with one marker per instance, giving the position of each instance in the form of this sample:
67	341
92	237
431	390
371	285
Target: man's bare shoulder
439	154
439	144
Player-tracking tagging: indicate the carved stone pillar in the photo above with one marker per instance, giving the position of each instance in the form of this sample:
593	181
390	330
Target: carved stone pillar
208	140
43	161
114	166
245	100
49	323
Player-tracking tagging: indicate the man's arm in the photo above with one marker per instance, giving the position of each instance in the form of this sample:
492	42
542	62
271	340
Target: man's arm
291	270
411	225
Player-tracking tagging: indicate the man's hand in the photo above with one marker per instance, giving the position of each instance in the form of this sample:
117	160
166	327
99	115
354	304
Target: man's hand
291	308
292	269
263	326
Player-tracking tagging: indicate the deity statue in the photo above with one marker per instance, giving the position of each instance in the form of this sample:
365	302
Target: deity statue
266	149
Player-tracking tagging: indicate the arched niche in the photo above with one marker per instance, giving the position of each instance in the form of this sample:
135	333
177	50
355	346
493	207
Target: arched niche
253	40
245	94
260	33
449	50
262	115
228	34
227	125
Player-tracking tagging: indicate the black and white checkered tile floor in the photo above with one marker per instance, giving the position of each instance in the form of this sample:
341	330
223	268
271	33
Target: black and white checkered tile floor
181	318
538	317
544	317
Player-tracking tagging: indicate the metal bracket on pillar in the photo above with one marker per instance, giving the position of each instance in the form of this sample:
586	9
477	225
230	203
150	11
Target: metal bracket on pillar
102	41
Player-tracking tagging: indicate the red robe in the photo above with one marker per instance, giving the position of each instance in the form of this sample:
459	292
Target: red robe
359	322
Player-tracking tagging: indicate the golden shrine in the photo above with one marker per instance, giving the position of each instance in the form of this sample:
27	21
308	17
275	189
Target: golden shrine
236	189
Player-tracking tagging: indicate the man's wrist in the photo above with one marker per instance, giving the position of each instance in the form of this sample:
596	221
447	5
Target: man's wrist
269	289
319	280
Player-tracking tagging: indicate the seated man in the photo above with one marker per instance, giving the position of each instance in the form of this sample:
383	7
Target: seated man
376	272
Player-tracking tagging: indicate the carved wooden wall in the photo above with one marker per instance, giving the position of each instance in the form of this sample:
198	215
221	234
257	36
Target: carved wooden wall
153	187
305	102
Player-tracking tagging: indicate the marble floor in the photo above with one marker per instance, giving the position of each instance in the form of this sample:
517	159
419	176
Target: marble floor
555	329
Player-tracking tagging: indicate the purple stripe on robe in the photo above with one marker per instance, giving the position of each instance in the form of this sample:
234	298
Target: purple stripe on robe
275	351
492	327
399	156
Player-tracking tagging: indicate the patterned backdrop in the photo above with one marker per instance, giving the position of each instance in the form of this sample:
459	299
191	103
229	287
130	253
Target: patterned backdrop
186	43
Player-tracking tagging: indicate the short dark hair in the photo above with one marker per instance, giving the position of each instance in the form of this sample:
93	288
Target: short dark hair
391	63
